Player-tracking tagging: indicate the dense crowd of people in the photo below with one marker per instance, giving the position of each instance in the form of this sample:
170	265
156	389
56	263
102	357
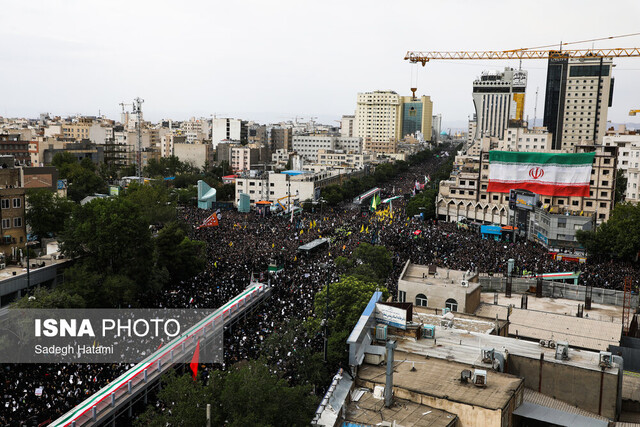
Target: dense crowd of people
242	246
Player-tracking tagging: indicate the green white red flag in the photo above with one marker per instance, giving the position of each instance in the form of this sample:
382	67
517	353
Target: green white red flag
547	174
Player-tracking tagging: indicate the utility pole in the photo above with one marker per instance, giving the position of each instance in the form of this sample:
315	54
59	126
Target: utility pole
326	326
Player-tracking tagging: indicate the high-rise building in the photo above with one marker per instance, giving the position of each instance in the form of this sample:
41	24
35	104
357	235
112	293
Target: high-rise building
498	98
417	116
378	120
347	126
578	94
384	117
280	138
229	129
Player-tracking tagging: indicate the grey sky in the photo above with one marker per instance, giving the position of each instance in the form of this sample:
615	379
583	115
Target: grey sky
273	60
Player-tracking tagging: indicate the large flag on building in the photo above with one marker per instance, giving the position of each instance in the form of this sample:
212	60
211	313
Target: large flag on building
542	173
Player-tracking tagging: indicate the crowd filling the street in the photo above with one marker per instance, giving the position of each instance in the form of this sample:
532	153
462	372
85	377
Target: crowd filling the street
241	248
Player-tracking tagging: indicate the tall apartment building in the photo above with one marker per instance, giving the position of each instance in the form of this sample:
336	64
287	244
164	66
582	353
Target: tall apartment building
378	119
498	98
436	127
578	95
13	145
417	116
280	138
308	146
348	126
229	129
628	161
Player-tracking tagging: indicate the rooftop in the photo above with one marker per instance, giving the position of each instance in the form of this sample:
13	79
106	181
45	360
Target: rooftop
370	410
465	347
441	379
443	277
580	332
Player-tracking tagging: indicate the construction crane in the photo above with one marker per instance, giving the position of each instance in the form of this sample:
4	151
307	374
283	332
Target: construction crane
424	57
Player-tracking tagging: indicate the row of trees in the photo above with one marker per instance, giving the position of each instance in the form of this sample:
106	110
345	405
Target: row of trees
118	260
84	178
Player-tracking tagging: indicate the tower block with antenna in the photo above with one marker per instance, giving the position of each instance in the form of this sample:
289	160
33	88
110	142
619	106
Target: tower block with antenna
137	110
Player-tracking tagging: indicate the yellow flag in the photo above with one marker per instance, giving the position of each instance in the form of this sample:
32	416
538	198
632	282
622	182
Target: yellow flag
367	230
295	258
215	264
273	245
362	228
230	243
344	247
301	231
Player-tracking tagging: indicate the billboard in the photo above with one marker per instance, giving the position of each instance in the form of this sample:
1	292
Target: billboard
392	316
522	200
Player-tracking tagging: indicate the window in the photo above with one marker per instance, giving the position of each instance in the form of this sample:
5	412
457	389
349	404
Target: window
402	296
589	204
575	203
603	194
5	203
6	223
17	222
562	223
16	203
451	304
603	204
421	300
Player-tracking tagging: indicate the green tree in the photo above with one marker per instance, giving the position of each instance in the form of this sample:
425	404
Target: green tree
369	263
248	395
186	400
153	202
618	237
425	200
182	257
47	212
347	299
45	298
621	186
113	238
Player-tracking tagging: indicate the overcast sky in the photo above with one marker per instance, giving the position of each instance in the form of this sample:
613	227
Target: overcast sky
274	60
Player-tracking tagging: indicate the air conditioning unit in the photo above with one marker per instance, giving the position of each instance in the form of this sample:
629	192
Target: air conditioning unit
488	354
465	283
381	332
445	310
605	359
480	378
428	331
466	375
562	350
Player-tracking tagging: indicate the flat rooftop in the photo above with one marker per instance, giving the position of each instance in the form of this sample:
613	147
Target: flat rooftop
369	410
583	332
604	312
466	347
462	321
417	273
441	379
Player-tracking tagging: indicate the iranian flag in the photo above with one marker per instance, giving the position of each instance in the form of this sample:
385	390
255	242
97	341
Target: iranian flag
541	173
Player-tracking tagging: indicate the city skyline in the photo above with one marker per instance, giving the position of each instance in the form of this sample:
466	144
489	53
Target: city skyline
275	62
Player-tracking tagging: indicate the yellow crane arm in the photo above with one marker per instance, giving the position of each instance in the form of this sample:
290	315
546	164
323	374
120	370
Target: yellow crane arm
424	57
634	112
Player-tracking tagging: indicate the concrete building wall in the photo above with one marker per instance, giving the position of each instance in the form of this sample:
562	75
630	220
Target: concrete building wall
196	154
571	384
438	294
469	415
348	126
